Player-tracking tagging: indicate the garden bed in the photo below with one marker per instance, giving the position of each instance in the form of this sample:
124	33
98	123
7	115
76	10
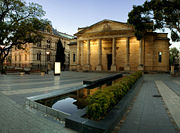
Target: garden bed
101	119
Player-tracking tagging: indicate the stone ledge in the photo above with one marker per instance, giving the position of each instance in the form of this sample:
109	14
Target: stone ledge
83	125
100	80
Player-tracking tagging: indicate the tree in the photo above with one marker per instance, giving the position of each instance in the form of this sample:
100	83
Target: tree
156	14
173	56
20	23
60	56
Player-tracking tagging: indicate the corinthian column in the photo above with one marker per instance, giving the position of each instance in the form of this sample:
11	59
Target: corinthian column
99	66
78	55
88	55
113	66
88	52
82	54
127	66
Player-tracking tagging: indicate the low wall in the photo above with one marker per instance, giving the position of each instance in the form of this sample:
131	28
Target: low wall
83	125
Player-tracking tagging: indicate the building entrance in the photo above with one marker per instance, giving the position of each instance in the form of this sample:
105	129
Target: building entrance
109	61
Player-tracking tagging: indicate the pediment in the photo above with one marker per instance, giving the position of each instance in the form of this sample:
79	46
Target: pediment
105	26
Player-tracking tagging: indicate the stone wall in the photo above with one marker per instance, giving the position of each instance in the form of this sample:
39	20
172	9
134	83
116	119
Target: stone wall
142	55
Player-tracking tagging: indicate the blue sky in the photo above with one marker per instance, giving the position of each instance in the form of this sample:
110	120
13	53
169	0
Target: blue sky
67	15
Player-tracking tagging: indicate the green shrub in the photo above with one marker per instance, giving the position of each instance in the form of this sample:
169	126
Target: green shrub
101	102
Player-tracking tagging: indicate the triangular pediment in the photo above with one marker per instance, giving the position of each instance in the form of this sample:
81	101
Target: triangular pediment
105	26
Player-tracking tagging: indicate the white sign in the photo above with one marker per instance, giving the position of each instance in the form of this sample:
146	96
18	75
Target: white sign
57	68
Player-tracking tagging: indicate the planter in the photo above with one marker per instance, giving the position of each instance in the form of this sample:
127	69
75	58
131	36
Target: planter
79	123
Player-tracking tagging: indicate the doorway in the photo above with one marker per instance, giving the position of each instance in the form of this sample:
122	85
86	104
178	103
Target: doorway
109	61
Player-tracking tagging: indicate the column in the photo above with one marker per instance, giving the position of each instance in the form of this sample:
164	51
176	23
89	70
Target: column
141	66
78	55
113	66
82	53
99	66
127	66
88	55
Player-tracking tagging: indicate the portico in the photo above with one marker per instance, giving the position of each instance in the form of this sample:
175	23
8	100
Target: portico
112	46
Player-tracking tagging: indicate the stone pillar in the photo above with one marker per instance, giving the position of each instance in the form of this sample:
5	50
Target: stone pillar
99	66
82	52
78	55
88	55
127	66
113	66
141	66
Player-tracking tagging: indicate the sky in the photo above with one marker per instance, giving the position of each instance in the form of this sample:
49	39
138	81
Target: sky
68	15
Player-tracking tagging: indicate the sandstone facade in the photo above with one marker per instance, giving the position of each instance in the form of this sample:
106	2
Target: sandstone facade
112	46
41	56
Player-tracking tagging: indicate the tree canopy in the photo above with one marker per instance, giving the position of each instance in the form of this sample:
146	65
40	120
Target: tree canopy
20	23
156	14
173	56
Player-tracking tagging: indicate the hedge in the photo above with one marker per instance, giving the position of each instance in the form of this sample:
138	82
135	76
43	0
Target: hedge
101	102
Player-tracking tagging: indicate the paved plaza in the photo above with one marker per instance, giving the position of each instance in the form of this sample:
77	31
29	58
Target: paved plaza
19	87
151	113
147	114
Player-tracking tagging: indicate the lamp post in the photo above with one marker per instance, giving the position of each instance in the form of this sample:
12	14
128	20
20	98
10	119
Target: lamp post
1	62
47	53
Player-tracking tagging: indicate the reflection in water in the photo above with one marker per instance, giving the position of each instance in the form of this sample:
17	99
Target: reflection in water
66	105
73	101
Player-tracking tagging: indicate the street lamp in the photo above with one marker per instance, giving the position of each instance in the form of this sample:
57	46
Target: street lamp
1	63
2	46
47	53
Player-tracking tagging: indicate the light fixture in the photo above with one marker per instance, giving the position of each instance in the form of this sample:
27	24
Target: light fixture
47	52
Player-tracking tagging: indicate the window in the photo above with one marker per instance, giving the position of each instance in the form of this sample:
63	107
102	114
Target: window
74	57
48	57
19	57
48	44
25	57
159	57
39	56
38	44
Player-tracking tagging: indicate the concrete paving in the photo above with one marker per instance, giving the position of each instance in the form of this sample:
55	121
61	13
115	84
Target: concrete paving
19	87
15	118
171	99
148	114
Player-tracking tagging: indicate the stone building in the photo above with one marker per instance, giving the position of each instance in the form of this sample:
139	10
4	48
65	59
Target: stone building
41	56
112	46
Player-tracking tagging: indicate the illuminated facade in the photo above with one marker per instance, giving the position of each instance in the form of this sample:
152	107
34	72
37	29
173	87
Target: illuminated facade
41	56
112	46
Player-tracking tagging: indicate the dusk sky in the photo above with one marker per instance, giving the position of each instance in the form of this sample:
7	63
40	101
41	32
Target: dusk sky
67	15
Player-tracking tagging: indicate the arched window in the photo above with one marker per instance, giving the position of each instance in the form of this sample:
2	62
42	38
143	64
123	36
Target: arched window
48	44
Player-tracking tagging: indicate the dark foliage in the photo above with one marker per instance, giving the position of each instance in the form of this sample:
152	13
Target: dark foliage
156	14
60	56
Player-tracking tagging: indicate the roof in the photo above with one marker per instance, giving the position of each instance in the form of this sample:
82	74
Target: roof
105	20
64	35
72	43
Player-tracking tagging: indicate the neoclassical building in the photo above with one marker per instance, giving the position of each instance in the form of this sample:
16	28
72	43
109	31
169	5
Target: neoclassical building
112	46
41	56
